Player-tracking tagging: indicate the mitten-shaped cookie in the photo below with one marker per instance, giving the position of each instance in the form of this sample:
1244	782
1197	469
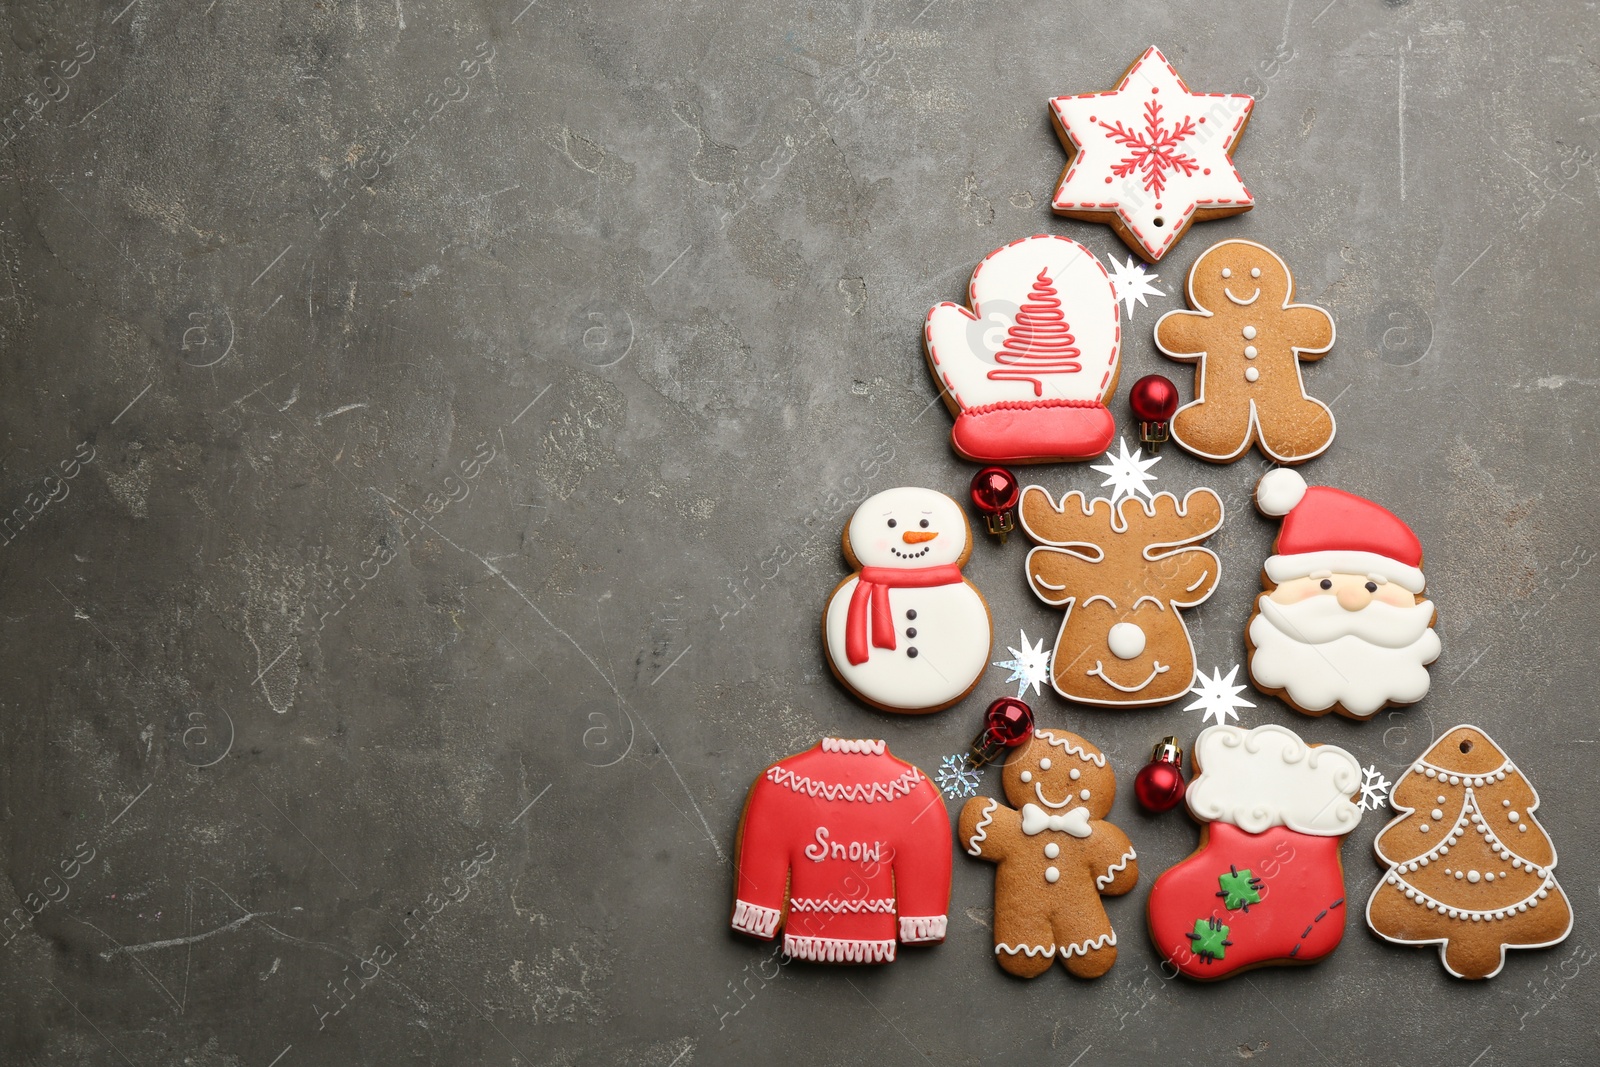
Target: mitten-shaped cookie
1056	856
1249	338
1266	885
1470	868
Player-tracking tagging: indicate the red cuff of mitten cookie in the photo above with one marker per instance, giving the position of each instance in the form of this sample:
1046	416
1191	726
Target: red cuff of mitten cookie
915	928
754	919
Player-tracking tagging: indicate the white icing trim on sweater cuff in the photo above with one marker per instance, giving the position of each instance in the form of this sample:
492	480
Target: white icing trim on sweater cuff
754	919
915	928
837	950
863	747
1303	564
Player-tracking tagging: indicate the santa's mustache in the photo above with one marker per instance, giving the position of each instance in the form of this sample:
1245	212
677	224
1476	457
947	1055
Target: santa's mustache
1319	619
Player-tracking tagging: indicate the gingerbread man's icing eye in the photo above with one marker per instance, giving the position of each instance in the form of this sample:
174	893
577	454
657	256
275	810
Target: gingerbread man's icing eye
1326	583
1026	776
1255	272
892	524
1227	272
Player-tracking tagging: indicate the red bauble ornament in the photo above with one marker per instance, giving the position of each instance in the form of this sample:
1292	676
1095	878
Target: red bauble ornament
995	493
1007	724
1154	399
1159	784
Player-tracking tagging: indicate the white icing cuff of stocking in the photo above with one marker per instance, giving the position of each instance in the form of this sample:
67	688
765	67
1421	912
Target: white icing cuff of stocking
914	928
754	919
837	950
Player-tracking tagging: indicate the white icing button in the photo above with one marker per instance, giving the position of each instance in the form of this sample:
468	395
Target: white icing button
1460	874
1126	640
1074	774
1250	352
1474	877
1052	875
1438	800
1052	850
1516	864
1417	769
1227	272
1083	795
1513	816
1436	813
1455	780
1255	272
1249	333
1423	861
1027	776
1523	828
1251	374
1430	772
1424	828
1044	764
1444	850
1505	803
1500	777
1488	876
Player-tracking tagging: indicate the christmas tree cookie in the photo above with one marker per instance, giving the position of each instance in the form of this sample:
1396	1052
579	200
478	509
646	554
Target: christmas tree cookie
1470	868
1266	885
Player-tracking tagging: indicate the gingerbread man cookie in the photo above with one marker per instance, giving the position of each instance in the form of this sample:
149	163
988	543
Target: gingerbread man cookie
1056	857
1248	337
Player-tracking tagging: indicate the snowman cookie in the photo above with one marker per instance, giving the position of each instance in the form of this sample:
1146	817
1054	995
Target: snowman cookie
1027	370
907	632
1266	885
1056	856
1247	336
1149	157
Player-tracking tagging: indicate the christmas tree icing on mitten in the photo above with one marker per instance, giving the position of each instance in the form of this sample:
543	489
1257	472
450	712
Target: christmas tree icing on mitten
1470	868
1056	857
1266	884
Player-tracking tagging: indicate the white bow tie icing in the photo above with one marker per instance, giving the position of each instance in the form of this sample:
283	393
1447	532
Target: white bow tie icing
1035	820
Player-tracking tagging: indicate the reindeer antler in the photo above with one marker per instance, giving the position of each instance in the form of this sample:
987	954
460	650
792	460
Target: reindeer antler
1165	523
1076	521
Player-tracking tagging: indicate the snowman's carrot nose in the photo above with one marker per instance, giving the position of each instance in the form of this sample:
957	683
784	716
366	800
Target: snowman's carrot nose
916	537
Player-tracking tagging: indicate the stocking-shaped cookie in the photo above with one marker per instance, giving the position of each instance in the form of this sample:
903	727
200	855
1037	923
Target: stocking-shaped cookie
1249	337
1470	868
1266	885
1056	856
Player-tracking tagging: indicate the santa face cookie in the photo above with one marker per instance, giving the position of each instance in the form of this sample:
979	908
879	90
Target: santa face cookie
1248	337
1470	868
1122	572
1149	157
1343	625
906	632
1027	370
1266	885
1056	856
847	849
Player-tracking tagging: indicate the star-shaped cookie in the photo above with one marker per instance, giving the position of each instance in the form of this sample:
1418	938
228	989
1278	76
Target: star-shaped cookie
1150	157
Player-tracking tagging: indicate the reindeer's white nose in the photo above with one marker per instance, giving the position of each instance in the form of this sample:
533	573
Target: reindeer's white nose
1126	640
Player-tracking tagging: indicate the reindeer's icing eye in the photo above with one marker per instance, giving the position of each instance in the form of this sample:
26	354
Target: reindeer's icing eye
924	524
1255	272
1325	583
893	524
1227	273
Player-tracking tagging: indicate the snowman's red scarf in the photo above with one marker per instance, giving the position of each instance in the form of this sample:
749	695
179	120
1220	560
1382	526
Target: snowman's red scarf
872	594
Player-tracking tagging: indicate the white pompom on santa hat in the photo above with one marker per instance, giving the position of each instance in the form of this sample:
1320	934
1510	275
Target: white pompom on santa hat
1331	530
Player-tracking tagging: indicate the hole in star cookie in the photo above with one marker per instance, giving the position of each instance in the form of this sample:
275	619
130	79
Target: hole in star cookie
1466	746
1158	221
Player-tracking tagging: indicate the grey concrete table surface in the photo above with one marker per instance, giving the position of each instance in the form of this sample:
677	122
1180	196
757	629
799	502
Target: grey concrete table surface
432	425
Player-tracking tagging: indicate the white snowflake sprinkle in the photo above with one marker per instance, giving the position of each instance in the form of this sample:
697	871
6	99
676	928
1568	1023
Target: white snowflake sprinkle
1127	474
1029	665
1218	696
957	777
1130	282
1374	789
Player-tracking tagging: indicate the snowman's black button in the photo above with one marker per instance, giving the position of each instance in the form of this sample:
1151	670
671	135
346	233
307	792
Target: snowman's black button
911	631
911	652
912	614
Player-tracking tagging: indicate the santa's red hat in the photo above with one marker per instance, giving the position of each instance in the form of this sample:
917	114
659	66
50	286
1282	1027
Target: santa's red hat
1330	530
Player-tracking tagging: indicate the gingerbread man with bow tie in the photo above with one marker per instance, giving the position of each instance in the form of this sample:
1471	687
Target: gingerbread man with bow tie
1056	856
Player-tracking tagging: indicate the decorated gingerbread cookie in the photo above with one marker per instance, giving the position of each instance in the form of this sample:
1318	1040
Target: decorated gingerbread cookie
1248	336
1122	571
1266	885
1149	157
1343	625
847	849
907	632
1027	370
1056	855
1470	868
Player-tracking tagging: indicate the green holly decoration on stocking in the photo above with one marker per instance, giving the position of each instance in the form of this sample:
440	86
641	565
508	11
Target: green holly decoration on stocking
1209	940
1239	889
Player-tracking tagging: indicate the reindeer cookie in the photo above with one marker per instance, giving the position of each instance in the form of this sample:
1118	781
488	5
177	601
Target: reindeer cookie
1248	337
1056	856
1122	571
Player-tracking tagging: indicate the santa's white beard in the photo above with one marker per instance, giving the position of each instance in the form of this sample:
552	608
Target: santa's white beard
1323	655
